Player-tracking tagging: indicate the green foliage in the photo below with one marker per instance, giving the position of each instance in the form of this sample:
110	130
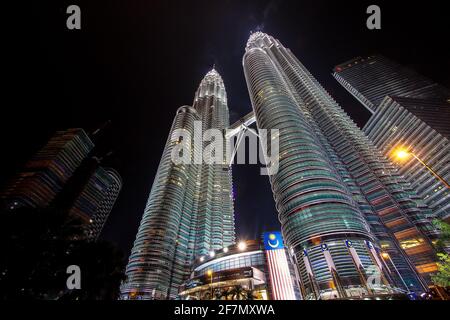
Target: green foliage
442	278
444	233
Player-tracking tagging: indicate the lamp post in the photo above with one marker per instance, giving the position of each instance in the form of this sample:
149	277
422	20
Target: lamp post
401	154
210	274
386	256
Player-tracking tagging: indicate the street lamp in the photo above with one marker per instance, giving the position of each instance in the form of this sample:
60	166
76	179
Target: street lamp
402	154
242	246
386	256
210	274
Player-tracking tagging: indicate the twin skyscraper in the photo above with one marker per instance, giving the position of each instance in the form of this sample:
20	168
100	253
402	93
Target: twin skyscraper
349	220
190	208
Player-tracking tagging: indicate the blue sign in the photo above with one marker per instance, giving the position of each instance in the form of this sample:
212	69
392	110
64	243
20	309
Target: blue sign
273	240
412	296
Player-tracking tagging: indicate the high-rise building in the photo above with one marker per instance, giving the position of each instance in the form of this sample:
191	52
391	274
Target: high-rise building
343	208
190	207
421	127
410	112
65	176
215	215
372	78
48	172
96	199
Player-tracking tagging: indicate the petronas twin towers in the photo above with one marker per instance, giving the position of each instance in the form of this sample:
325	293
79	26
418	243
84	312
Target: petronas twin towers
190	208
346	216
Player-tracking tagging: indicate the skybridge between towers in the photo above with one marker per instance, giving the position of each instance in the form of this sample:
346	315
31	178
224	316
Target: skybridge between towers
239	128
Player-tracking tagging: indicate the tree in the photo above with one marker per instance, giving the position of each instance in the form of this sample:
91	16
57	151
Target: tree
218	294
225	293
38	245
238	293
101	265
444	234
250	295
207	295
442	278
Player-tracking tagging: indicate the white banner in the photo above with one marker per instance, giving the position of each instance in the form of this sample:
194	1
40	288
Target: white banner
307	264
328	257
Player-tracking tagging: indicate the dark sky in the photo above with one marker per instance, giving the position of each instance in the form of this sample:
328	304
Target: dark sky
135	62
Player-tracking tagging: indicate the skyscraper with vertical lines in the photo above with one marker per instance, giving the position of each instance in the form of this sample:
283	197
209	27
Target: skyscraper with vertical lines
215	218
65	177
343	208
45	176
370	79
420	126
95	200
190	207
409	112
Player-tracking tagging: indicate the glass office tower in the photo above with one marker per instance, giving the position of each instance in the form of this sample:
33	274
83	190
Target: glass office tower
190	208
95	200
64	176
420	126
343	208
370	79
409	111
45	176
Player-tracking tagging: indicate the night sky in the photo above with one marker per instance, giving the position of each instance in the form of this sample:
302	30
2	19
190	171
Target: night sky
136	62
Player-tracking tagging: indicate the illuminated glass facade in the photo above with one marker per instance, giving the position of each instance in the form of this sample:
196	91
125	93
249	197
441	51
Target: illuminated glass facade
422	127
65	176
48	172
247	268
96	200
215	215
190	208
233	262
333	187
370	79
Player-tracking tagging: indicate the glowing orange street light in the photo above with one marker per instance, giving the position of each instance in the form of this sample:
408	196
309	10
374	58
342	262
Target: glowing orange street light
402	154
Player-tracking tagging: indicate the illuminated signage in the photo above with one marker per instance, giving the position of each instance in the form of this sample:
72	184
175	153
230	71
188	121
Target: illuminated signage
280	276
273	240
